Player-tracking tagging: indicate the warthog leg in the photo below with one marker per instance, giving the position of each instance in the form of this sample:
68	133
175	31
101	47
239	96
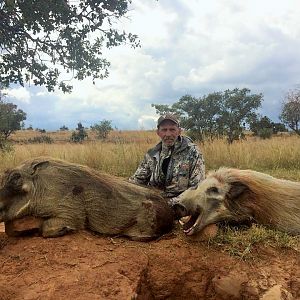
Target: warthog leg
57	227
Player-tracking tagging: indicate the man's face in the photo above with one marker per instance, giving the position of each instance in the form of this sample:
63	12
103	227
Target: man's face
168	131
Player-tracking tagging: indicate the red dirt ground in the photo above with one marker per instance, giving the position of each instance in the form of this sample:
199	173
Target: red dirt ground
88	266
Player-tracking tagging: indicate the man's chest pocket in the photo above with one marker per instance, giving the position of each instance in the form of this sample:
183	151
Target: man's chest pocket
183	176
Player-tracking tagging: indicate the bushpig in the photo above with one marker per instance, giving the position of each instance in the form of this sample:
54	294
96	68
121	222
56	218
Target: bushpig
239	196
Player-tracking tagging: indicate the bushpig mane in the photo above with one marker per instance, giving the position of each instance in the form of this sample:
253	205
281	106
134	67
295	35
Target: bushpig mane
268	200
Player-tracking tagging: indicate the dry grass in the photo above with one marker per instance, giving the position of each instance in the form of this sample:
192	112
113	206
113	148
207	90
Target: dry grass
279	156
123	150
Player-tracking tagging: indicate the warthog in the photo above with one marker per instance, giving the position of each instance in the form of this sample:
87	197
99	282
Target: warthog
239	196
70	197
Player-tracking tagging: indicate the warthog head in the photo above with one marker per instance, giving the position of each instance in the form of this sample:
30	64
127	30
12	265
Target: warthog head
15	185
208	204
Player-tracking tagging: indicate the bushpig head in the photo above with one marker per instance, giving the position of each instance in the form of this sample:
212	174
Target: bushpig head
211	202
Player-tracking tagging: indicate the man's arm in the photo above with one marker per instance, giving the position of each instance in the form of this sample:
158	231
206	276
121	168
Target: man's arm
197	173
143	173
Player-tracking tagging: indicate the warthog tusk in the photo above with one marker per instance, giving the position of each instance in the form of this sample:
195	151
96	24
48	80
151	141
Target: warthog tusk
22	208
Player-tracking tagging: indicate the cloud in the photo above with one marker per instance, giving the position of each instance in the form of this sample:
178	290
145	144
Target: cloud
188	47
146	121
20	94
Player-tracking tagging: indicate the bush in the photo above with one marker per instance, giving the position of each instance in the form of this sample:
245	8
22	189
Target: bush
265	133
41	139
102	129
79	135
63	128
5	145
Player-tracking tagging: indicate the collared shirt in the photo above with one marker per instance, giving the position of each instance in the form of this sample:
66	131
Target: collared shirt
185	167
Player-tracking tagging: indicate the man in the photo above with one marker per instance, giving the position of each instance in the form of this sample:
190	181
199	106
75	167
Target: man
174	164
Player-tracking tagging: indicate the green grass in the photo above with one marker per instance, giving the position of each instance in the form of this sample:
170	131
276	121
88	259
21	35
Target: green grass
240	242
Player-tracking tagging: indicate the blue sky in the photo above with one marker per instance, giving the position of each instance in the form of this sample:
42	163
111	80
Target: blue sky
188	47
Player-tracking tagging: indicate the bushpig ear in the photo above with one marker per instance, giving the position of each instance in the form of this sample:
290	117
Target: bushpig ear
39	165
236	190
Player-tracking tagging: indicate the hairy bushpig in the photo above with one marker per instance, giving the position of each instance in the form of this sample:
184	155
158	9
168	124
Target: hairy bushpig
70	197
239	196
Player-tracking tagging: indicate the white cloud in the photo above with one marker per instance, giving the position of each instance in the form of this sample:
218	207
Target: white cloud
21	94
146	121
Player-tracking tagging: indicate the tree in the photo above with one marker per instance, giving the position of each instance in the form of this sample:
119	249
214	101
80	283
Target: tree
278	127
290	114
259	123
217	113
64	128
197	115
164	109
11	119
102	129
79	135
39	38
264	127
238	107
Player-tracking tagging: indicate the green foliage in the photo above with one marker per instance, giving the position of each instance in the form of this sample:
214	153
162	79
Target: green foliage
258	123
164	109
290	114
264	127
40	130
63	128
102	129
224	113
79	135
5	145
11	119
39	36
238	107
240	242
278	127
41	139
265	133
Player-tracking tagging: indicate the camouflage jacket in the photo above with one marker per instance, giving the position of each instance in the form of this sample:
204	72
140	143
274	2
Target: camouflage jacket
185	169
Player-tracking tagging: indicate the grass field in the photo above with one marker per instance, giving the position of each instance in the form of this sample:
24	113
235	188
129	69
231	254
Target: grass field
123	150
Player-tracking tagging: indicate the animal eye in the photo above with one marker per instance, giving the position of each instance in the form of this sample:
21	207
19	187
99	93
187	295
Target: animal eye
14	177
212	190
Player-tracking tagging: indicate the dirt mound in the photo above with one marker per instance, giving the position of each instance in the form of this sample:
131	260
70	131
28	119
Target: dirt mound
88	266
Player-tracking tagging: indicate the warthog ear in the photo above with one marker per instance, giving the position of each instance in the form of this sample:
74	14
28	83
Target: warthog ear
39	165
236	190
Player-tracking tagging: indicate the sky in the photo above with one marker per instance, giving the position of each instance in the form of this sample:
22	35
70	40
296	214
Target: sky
190	47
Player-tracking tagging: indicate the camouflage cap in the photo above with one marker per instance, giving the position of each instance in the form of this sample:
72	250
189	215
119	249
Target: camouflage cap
169	117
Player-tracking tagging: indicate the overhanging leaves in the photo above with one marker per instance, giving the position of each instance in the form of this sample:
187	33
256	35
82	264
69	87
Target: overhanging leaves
40	38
